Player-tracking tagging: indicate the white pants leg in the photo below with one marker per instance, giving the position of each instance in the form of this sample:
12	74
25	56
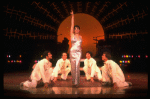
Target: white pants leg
87	72
105	76
29	84
65	73
48	74
122	84
98	75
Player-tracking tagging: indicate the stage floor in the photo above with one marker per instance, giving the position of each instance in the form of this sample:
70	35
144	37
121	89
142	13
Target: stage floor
62	89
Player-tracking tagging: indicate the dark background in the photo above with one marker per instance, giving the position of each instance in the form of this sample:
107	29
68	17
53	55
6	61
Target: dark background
119	17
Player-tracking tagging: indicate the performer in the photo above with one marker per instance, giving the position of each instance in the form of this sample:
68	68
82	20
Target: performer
61	67
43	69
90	68
112	73
75	51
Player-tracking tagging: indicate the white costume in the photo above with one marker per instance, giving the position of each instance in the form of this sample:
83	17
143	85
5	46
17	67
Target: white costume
90	68
111	70
61	67
43	69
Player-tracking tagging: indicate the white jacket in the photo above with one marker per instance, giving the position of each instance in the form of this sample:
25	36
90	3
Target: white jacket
40	70
93	65
114	71
59	65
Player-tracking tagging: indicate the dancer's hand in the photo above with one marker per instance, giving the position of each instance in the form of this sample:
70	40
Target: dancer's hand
92	80
71	12
115	86
46	85
55	79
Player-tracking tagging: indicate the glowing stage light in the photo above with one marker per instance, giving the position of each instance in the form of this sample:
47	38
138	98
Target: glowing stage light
14	61
132	56
8	61
120	61
11	61
41	55
138	56
20	61
7	56
122	56
19	55
129	56
126	56
128	61
35	61
123	61
120	64
17	61
146	56
93	31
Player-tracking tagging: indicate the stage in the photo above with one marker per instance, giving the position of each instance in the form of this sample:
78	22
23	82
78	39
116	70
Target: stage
64	89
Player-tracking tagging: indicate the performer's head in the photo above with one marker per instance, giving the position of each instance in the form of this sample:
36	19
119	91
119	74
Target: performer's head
106	56
76	29
64	55
47	55
88	54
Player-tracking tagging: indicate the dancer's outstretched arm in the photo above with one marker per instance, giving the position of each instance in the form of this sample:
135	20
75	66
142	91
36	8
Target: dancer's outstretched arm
72	25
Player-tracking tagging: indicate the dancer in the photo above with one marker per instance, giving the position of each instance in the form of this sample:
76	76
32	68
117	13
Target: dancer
90	68
112	73
43	69
75	52
61	67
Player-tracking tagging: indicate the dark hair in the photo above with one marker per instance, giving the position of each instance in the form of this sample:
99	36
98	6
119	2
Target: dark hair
107	54
91	54
46	53
64	52
77	27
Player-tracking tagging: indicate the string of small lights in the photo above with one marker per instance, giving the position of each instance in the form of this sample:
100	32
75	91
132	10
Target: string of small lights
25	18
127	20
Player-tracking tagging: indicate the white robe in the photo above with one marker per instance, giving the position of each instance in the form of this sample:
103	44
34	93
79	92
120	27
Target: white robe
63	68
112	73
92	69
43	69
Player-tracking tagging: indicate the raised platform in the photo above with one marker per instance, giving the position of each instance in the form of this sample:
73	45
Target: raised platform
64	89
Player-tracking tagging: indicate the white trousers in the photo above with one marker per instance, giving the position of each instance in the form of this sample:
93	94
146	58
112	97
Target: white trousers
107	77
87	72
29	84
33	82
64	73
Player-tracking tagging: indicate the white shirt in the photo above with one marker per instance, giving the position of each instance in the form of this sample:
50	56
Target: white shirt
62	64
114	71
92	65
40	69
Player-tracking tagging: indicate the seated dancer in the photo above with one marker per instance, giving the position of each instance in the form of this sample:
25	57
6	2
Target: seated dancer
43	69
90	68
63	66
112	73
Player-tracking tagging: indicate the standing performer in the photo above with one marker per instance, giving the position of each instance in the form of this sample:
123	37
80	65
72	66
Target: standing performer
43	69
90	68
75	52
